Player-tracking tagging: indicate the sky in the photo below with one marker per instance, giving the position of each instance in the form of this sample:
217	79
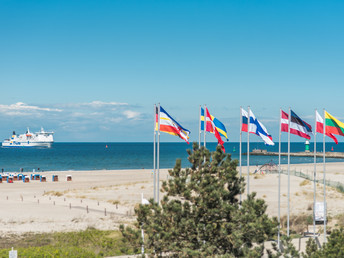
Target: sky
92	71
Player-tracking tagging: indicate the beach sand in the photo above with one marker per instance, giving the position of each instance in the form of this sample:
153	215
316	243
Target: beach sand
104	199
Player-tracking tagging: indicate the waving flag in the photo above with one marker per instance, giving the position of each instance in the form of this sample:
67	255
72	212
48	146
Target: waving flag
256	127
333	125
219	126
297	125
210	127
244	117
171	126
320	127
284	121
259	129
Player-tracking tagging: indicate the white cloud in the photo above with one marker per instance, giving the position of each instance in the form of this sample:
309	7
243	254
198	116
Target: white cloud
115	119
131	114
21	108
73	120
96	104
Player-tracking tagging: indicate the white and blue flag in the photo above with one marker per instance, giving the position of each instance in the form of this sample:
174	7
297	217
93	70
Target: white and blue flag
259	129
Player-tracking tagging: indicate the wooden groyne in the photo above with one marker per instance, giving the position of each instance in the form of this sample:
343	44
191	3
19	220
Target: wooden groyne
258	152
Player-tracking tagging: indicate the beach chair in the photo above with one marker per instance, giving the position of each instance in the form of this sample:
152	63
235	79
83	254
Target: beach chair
43	179
35	176
26	179
10	179
0	179
55	178
69	178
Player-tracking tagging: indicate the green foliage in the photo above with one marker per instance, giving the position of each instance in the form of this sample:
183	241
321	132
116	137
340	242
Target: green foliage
311	248
200	214
88	243
50	251
287	250
333	248
131	238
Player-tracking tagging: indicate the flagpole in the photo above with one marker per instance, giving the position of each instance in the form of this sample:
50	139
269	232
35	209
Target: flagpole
142	233
154	151
279	183
158	157
199	128
248	151
315	171
240	174
324	160
289	118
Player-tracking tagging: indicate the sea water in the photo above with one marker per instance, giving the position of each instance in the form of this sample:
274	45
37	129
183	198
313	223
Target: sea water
98	156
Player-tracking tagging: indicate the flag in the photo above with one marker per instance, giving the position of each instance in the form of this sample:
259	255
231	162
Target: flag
257	128
284	121
333	125
297	125
320	127
219	126
156	118
171	126
210	127
244	124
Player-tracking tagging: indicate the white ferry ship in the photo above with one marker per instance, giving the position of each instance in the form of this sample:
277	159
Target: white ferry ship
28	139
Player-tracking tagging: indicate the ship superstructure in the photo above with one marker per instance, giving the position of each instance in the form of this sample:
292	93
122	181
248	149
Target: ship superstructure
29	139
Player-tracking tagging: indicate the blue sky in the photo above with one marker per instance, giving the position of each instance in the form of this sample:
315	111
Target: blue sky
92	70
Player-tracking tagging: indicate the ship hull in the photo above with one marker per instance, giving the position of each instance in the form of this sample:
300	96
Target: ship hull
26	144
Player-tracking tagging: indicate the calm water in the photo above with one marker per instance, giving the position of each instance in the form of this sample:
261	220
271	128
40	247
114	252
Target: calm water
92	156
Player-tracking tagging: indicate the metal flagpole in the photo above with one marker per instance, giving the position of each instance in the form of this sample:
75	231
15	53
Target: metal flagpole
279	184
142	233
205	127
240	147
289	118
315	171
324	159
154	151
248	151
199	127
158	157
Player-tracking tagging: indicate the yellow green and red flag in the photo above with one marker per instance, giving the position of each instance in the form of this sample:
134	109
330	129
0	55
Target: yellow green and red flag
333	125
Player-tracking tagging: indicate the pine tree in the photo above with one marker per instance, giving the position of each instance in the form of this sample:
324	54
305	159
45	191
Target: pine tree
200	214
334	247
288	249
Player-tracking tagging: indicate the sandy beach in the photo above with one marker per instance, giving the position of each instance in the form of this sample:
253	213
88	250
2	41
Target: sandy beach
104	199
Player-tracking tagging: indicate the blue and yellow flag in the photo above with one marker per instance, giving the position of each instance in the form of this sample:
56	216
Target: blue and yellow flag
219	126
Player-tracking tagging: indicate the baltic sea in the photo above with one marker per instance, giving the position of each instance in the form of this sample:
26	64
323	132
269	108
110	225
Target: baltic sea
110	156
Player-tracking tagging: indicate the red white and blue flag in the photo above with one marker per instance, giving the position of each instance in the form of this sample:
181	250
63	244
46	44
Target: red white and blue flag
244	121
297	125
171	126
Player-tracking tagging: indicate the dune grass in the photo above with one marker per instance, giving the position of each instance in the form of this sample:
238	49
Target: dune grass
88	243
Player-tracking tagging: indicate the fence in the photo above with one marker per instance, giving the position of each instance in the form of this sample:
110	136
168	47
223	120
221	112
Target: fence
337	185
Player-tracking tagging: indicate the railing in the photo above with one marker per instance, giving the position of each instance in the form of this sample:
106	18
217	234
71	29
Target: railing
339	186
